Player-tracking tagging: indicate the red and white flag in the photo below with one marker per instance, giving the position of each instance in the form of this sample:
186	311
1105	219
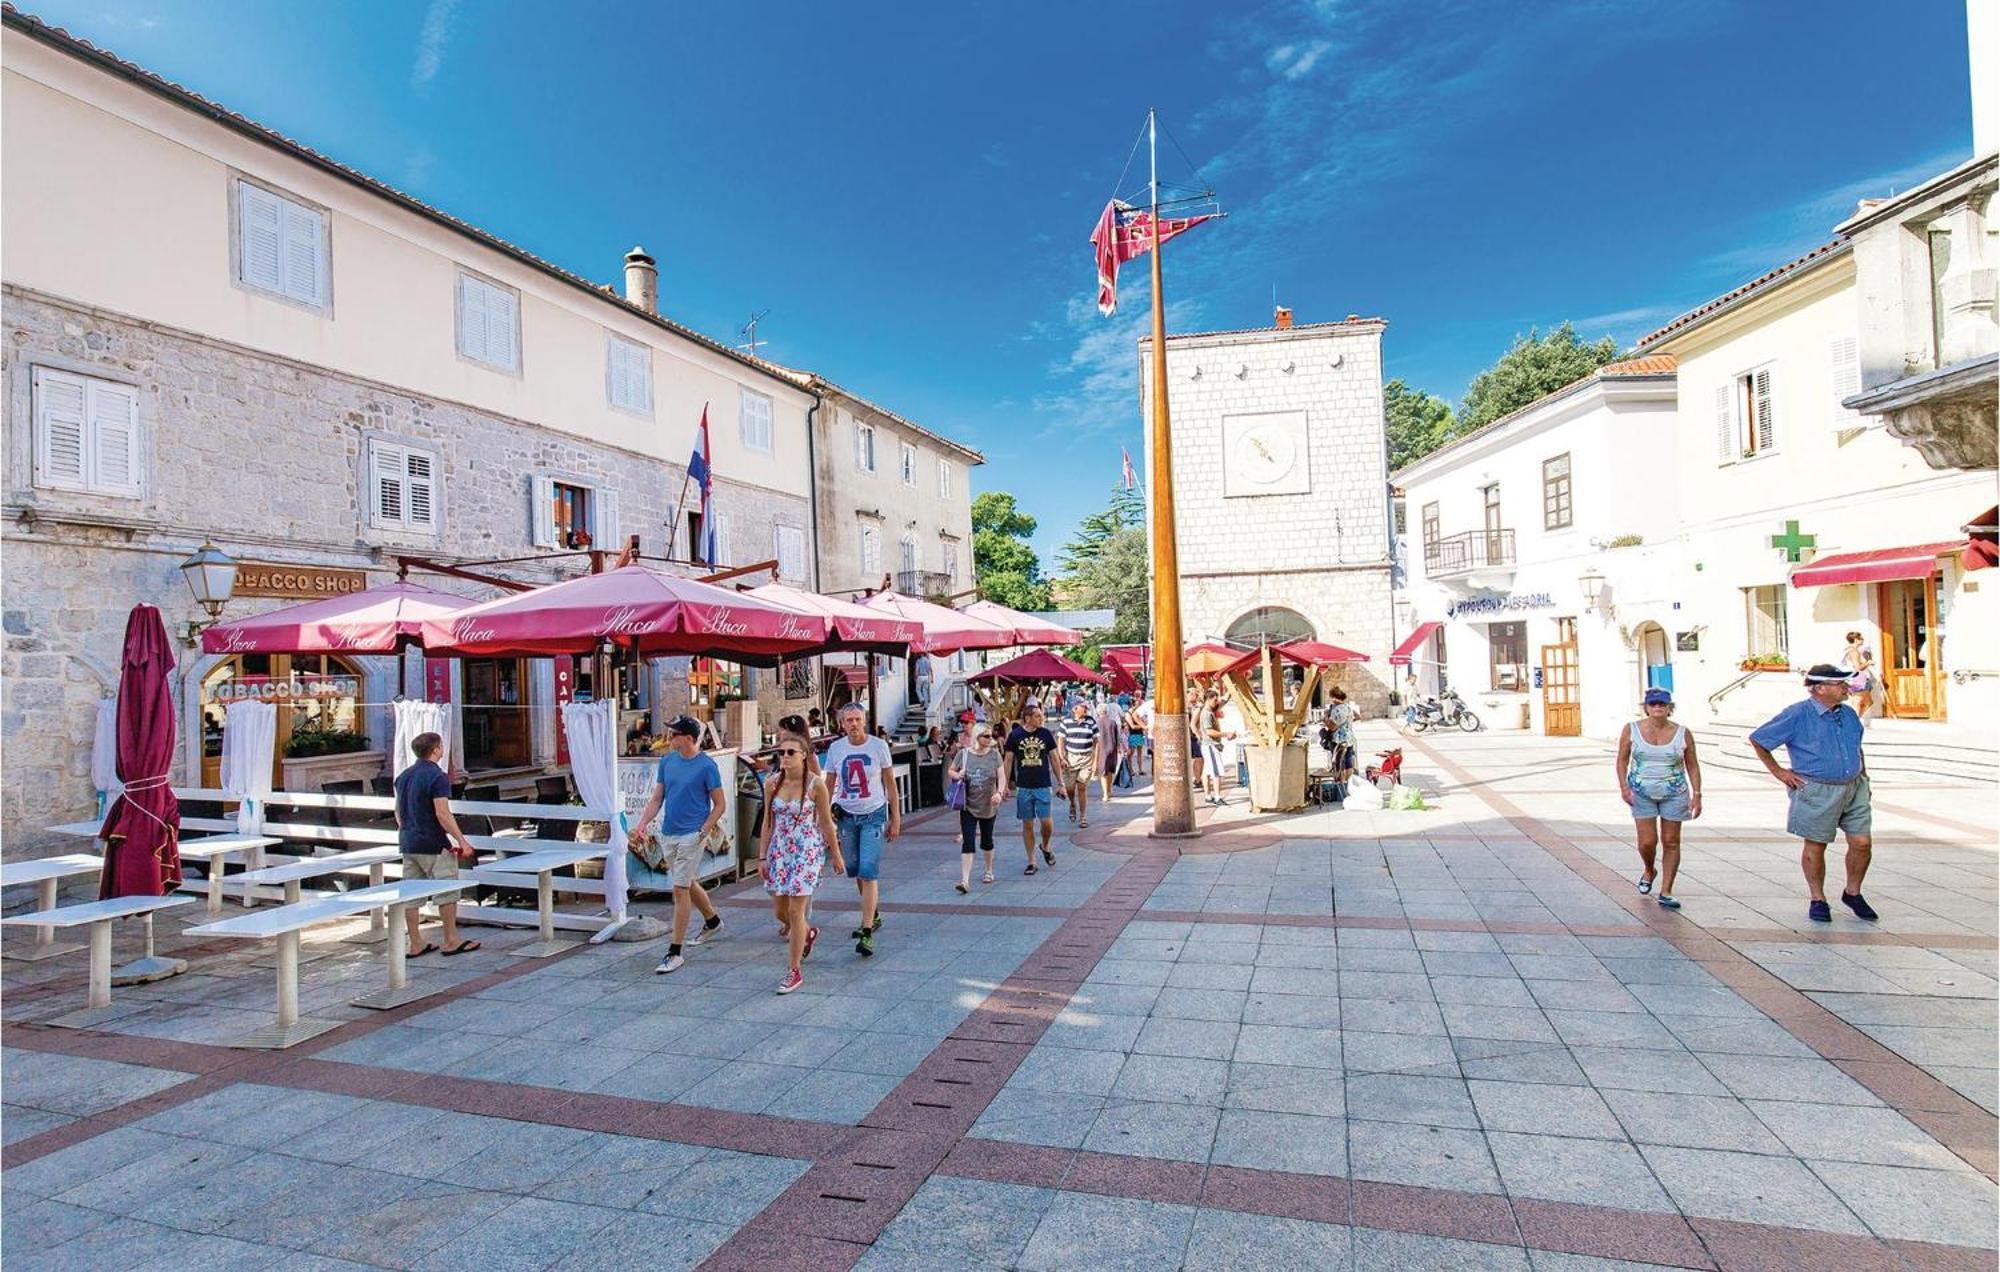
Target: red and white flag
1123	233
1131	478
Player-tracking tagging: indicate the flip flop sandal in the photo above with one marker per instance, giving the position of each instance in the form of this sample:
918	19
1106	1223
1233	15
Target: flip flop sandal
1048	856
1082	825
463	947
430	947
1667	902
962	888
1030	870
1645	887
988	878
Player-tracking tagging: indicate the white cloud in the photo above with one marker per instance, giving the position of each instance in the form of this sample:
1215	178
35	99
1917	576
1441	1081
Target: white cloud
432	41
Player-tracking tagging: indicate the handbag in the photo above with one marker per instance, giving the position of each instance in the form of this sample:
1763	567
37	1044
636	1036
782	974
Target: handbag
954	793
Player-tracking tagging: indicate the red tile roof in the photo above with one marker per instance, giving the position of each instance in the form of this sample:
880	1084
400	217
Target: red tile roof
1651	364
1819	255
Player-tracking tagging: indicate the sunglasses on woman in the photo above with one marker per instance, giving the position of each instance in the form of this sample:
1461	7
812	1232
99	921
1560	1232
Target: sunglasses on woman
790	750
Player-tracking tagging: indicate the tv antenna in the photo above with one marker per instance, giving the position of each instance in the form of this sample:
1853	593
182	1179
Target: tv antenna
749	331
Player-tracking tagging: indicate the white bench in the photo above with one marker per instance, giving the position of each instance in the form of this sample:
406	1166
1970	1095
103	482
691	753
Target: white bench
542	864
285	922
49	872
99	916
208	850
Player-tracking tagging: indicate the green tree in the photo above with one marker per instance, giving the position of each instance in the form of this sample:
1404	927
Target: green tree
1416	422
1127	509
1534	367
1105	566
1009	572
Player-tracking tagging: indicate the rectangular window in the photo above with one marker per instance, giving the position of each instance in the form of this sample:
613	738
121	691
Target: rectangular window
948	562
721	555
1401	512
906	555
788	545
864	446
909	464
871	553
797	677
1745	417
1430	544
281	246
628	375
86	434
1507	644
1843	356
1766	629
944	479
755	421
571	506
403	488
489	323
1556	513
570	515
1939	243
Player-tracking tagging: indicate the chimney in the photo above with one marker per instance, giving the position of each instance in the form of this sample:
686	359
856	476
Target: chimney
1283	320
642	281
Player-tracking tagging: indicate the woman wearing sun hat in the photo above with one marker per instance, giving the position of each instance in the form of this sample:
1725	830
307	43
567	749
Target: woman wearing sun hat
1660	777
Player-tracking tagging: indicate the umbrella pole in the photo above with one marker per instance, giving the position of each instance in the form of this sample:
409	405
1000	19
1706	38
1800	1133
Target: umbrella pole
871	695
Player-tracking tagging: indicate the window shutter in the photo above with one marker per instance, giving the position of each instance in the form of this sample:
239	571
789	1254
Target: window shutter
542	514
114	437
1767	438
1725	425
59	429
301	253
261	235
502	316
944	479
471	319
421	486
754	420
1844	355
386	461
604	532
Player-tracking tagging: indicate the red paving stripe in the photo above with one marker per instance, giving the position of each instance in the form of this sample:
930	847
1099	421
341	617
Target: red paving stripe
848	905
21	1152
1966	1129
1969	828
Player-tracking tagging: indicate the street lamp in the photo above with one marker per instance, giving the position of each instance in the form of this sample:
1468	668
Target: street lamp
1592	584
211	576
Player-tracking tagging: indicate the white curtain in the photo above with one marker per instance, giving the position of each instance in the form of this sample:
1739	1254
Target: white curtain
249	738
415	718
104	755
593	763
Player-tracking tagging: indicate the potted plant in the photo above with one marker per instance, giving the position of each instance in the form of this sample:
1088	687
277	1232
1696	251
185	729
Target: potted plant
319	752
1768	661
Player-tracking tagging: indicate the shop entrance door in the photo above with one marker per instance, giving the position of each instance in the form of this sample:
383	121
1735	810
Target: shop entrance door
1912	663
1562	707
495	718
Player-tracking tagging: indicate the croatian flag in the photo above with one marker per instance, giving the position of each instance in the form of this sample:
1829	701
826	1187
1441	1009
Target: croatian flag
702	475
1131	478
1124	233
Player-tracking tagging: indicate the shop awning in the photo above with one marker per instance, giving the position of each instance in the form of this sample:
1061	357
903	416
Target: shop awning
854	677
1878	566
1401	658
1982	541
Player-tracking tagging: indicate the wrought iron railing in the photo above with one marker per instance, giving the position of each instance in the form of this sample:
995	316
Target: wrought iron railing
1473	550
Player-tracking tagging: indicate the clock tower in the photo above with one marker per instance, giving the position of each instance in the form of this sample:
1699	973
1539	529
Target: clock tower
1280	488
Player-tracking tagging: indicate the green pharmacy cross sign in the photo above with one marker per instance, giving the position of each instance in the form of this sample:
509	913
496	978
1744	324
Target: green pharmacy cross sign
1792	543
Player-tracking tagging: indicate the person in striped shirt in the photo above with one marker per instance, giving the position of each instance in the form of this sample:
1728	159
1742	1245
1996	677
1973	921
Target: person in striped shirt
1083	758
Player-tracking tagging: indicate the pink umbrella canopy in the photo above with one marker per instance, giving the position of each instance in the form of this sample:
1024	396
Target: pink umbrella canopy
141	833
379	620
944	631
1027	629
1037	667
638	608
855	628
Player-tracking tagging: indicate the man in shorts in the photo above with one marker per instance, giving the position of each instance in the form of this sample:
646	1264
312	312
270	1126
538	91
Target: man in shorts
1031	761
1828	783
688	798
432	844
1082	759
867	813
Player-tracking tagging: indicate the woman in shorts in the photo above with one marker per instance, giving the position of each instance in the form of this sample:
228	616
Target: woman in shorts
1660	777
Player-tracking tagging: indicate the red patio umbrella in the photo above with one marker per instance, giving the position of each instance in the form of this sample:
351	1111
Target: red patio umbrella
1210	659
380	620
945	631
1027	629
141	833
855	628
1037	667
638	608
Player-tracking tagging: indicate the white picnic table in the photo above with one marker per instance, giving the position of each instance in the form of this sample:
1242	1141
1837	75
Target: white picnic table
541	863
207	850
48	872
286	922
98	916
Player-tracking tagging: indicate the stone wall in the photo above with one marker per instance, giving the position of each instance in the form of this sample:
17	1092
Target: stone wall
264	456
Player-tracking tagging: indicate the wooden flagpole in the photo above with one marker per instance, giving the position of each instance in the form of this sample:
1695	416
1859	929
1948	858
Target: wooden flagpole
1173	797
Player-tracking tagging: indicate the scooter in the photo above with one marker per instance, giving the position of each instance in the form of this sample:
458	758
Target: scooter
1442	712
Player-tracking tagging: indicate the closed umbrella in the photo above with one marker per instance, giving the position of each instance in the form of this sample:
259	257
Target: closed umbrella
141	833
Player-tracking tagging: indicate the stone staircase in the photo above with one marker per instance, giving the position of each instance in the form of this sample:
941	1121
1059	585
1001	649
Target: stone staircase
1904	749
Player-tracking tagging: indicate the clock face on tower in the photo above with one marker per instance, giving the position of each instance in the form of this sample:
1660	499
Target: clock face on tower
1265	454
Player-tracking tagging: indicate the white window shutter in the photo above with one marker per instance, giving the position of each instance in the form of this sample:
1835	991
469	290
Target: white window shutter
1844	356
503	315
114	437
59	429
471	319
604	532
1767	432
421	487
386	465
944	479
302	271
543	515
261	237
1726	451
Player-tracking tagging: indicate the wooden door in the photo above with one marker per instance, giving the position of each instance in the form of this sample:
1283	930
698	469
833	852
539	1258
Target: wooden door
1911	685
1562	707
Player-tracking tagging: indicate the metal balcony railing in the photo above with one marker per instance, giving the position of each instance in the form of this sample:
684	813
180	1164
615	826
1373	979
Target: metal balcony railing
924	583
1473	550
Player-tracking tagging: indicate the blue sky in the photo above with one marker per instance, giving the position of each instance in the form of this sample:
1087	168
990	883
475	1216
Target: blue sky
909	188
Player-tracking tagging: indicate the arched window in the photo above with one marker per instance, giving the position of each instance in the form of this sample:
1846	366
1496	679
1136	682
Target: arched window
1268	625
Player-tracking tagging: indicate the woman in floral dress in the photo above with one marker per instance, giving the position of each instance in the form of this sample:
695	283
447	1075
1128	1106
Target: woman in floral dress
798	838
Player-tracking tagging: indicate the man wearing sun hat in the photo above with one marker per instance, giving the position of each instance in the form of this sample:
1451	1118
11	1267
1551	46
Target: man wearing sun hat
1828	783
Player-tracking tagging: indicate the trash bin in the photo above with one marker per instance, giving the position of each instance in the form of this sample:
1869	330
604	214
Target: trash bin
749	815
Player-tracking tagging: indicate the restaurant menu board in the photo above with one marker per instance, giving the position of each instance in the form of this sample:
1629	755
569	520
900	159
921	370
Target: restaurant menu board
635	787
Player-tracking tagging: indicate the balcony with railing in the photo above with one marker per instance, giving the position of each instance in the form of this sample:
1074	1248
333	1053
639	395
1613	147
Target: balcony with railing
1474	552
925	583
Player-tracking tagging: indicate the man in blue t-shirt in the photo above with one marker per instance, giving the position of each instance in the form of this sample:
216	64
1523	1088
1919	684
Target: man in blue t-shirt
1827	783
431	842
688	797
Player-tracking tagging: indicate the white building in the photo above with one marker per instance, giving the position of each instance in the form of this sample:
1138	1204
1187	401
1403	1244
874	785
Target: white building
1510	520
1280	494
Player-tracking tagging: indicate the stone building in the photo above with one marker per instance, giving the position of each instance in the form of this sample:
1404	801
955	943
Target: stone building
215	334
1280	491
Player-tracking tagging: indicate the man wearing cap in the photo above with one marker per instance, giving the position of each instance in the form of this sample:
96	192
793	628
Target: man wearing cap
687	793
1828	784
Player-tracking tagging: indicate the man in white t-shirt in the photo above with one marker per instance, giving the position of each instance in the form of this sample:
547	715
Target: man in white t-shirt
866	811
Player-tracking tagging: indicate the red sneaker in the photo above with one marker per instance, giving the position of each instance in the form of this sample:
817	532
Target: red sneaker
793	979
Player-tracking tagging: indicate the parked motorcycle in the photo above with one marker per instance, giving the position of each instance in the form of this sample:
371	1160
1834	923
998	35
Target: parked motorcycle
1442	712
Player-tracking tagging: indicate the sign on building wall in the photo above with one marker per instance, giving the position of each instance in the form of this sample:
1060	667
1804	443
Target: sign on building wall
297	582
1508	604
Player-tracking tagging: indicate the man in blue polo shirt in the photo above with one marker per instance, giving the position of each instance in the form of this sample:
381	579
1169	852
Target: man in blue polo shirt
1828	784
